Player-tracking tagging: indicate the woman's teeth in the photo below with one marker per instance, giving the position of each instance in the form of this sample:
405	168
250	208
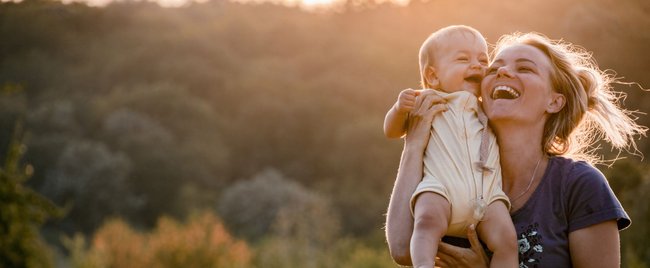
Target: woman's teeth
504	92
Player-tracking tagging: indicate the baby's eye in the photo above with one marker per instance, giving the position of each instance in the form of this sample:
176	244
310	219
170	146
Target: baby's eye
463	58
483	62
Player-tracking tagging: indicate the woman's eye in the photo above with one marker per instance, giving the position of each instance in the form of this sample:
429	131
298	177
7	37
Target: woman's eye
491	70
525	69
463	59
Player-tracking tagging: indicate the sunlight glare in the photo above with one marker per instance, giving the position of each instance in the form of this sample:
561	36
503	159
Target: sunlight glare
314	3
305	4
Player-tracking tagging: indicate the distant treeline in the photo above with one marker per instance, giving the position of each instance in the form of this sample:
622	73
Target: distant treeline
138	112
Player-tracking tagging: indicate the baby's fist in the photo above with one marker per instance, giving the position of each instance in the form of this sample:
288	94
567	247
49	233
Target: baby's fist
406	100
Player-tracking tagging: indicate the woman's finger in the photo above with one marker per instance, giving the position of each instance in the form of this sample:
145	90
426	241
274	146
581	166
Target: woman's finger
427	115
442	264
449	251
475	242
438	108
431	100
420	119
472	236
435	98
444	260
425	101
419	99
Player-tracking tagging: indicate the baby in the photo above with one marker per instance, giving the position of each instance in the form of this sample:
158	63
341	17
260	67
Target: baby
461	184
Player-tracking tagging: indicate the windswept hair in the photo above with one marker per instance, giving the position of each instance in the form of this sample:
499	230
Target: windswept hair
591	112
427	55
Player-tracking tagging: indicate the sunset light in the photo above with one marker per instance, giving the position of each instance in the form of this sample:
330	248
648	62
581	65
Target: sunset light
302	133
304	4
313	3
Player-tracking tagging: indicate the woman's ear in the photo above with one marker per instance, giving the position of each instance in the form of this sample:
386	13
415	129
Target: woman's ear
556	104
431	77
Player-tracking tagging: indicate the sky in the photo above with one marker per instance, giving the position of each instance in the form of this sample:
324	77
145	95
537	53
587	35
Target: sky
306	4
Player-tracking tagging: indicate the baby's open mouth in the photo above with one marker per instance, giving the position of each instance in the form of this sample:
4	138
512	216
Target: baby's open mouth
476	78
504	92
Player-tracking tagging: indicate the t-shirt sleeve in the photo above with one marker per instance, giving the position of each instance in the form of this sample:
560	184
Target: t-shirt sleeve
590	199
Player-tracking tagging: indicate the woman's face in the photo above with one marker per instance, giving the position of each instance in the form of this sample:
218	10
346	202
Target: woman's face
517	86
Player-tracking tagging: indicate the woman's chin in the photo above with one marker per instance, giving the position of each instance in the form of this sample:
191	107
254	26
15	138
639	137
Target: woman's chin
500	114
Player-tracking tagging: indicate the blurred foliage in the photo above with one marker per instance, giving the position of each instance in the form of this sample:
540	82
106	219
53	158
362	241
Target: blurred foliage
139	112
22	212
201	242
204	242
271	204
631	181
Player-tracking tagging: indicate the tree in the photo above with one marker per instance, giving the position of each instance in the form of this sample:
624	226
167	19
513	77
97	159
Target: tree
268	203
22	212
88	177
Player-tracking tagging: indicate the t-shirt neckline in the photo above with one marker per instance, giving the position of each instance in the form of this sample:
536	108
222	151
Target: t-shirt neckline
533	196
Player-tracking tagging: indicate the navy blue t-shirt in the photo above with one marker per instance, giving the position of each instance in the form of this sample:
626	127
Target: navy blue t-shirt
572	195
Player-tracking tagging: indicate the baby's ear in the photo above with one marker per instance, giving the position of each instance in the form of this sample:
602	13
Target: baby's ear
431	77
556	103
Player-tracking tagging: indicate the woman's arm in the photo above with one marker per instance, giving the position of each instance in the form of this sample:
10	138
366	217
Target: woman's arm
596	246
399	222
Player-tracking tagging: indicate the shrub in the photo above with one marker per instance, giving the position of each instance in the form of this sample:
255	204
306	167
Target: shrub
201	242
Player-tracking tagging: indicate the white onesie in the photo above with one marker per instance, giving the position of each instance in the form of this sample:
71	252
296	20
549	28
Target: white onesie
452	157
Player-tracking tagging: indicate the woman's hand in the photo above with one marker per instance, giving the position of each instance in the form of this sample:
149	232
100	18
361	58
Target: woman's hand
452	256
427	105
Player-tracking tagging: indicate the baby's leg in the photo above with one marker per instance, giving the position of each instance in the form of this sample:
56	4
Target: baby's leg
431	213
498	232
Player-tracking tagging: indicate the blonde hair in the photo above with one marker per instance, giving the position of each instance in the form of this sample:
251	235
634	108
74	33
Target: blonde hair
591	111
433	43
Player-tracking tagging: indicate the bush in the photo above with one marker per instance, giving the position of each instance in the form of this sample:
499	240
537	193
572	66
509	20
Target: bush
201	242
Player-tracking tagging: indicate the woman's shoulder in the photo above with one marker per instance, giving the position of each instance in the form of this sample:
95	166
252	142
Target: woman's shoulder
586	194
575	173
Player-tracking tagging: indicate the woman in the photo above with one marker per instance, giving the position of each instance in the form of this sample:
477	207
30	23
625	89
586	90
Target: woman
547	102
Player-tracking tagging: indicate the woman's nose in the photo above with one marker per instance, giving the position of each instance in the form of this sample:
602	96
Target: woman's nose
503	72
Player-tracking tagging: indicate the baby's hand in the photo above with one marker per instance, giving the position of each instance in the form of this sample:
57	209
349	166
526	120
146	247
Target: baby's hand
406	100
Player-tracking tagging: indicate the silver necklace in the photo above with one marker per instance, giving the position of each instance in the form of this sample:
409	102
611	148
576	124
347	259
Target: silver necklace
530	183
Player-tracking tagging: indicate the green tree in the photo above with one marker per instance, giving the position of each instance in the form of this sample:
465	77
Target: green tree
22	212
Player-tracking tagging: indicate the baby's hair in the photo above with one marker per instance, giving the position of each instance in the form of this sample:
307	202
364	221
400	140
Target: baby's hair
432	44
591	112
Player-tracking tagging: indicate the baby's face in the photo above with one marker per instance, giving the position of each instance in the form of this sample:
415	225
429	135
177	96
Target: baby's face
461	63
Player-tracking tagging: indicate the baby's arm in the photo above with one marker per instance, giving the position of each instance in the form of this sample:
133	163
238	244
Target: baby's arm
397	117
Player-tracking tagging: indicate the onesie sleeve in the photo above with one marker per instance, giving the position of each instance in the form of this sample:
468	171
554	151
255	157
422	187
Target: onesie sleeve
590	199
